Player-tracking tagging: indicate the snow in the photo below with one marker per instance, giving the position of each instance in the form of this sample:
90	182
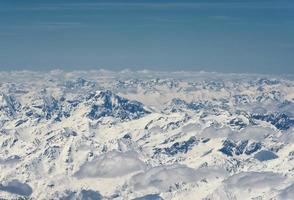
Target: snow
145	135
265	155
287	193
16	187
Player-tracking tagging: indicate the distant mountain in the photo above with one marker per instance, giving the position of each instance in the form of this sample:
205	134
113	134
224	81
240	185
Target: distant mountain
106	103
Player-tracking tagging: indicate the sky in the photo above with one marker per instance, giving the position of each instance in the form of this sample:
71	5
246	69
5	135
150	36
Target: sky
238	36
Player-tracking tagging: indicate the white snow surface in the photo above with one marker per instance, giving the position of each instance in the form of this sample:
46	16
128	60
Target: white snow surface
146	135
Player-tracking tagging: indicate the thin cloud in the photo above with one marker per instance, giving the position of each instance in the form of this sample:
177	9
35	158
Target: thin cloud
186	5
221	17
46	26
58	25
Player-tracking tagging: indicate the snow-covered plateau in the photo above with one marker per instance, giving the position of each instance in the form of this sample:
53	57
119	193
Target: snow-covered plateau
146	135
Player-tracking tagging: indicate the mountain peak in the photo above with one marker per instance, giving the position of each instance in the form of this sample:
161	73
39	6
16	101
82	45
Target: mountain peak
107	104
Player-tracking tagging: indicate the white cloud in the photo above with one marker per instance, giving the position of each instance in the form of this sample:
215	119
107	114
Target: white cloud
110	165
162	178
251	133
249	185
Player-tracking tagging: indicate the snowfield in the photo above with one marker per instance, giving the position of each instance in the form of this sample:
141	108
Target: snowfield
146	135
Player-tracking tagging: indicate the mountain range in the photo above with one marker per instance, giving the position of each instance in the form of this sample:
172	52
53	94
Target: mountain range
146	135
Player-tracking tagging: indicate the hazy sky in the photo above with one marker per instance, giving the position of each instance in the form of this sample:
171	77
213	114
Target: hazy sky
251	36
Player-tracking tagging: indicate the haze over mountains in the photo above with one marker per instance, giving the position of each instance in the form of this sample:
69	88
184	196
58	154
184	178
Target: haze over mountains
146	135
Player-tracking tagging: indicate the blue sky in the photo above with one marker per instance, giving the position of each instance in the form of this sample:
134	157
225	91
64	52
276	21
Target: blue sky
249	36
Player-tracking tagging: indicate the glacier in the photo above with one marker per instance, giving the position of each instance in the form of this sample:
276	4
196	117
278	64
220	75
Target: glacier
146	135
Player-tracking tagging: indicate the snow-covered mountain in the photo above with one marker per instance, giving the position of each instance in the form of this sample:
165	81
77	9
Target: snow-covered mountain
146	135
